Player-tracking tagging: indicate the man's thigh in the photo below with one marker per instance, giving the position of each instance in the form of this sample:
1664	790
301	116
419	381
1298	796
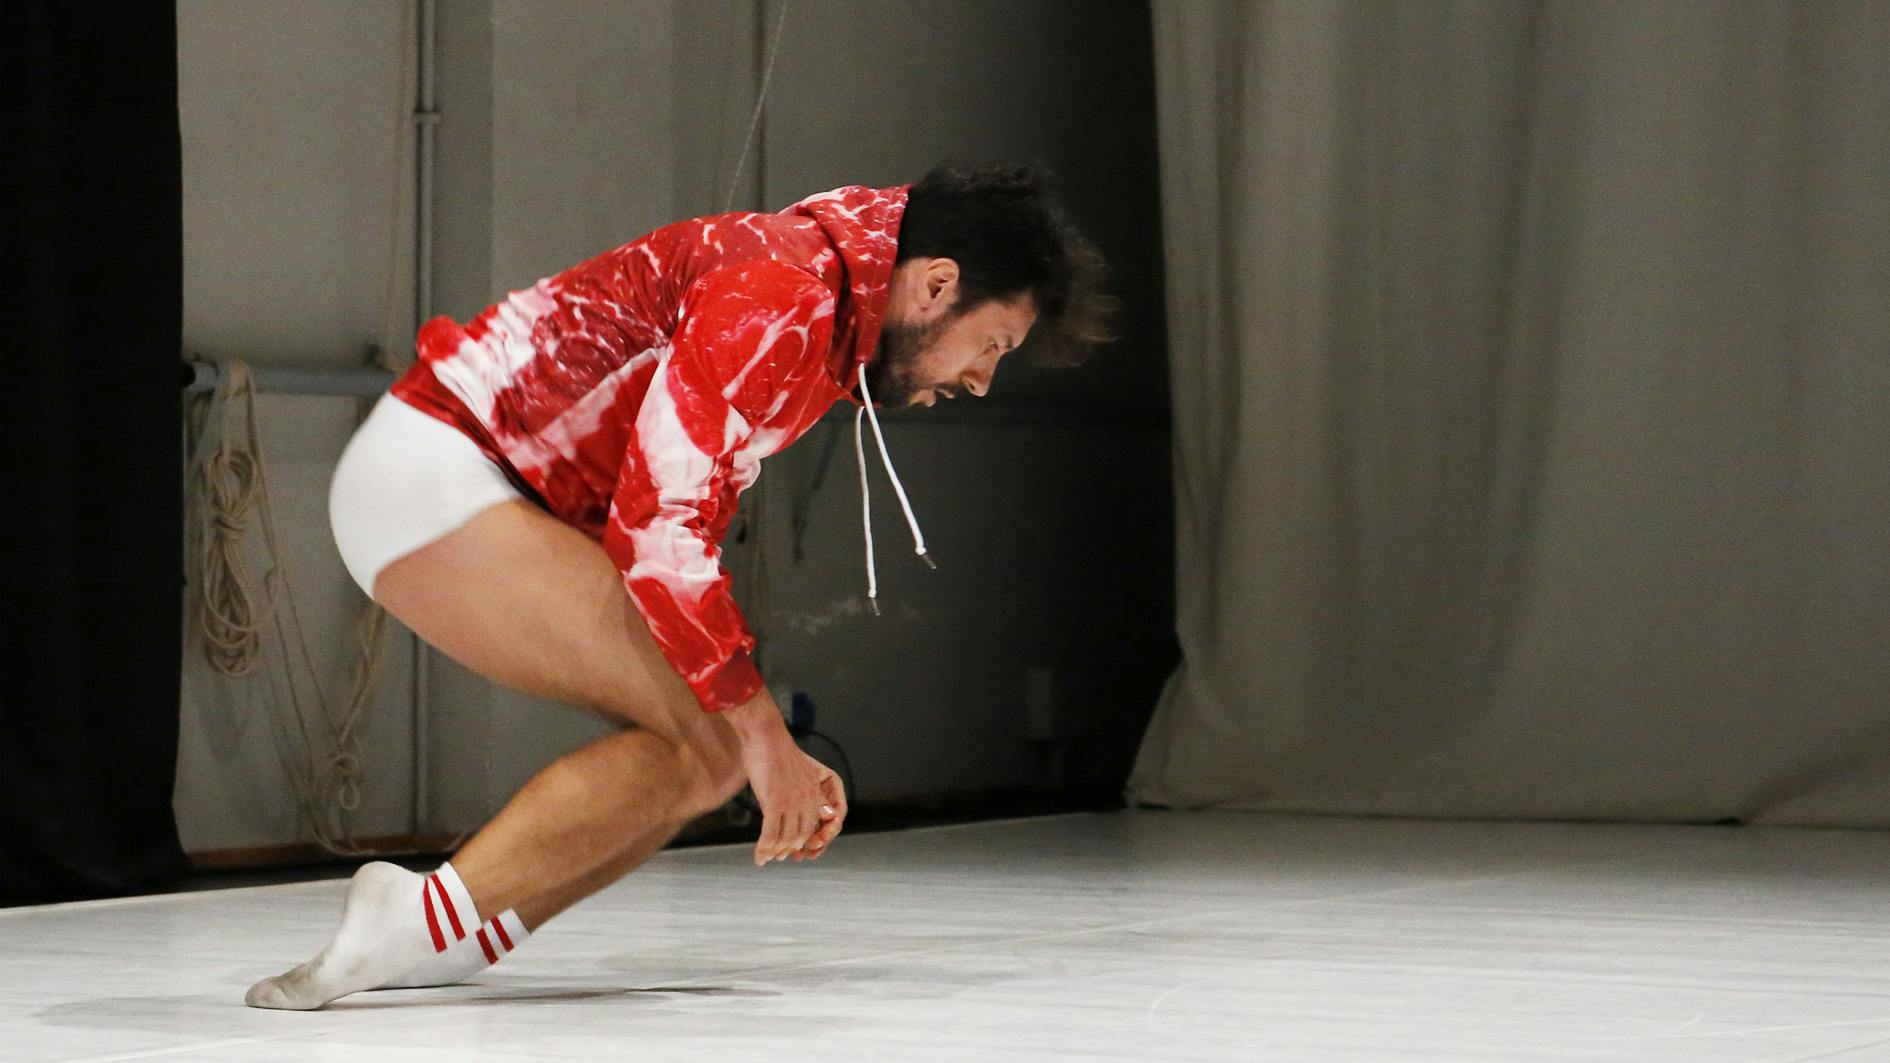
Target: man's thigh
532	603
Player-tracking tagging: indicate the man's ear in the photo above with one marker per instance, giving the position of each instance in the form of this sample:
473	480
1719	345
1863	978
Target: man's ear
941	281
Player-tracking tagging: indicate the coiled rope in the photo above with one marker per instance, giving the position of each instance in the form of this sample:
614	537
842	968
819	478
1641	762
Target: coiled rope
235	618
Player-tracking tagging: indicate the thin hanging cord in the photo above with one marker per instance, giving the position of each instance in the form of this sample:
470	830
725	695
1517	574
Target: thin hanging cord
761	101
918	539
866	514
755	525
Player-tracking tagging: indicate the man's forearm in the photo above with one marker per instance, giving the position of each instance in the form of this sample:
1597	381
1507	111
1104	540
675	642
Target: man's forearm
755	718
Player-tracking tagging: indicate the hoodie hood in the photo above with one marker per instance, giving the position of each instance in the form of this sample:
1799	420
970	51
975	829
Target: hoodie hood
862	227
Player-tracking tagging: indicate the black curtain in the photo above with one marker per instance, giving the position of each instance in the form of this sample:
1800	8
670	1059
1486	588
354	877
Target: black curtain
92	511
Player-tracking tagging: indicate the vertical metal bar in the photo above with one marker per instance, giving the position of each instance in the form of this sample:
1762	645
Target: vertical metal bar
425	118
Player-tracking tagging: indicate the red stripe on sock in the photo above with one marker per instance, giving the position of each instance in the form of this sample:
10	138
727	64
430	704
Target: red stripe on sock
447	903
498	927
491	956
433	923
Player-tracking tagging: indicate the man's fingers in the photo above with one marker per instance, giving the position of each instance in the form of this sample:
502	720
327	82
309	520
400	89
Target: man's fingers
790	834
779	841
770	841
837	801
826	834
789	838
804	833
836	795
817	842
823	829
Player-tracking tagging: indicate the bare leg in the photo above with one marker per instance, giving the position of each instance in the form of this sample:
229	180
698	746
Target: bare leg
625	860
531	603
638	846
583	822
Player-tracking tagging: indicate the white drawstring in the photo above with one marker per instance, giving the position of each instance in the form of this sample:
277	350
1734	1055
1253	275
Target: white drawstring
866	514
866	511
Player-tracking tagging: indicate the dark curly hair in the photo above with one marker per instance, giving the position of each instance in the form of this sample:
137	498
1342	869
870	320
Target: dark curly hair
1009	236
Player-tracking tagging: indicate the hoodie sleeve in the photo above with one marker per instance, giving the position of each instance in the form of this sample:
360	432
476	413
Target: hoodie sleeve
744	332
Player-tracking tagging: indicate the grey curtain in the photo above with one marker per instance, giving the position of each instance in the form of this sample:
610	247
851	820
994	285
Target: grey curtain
1531	369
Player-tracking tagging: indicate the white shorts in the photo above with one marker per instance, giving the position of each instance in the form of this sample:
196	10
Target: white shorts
406	479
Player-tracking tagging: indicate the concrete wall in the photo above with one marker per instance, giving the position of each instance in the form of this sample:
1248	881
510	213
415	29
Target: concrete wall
567	128
1047	501
295	252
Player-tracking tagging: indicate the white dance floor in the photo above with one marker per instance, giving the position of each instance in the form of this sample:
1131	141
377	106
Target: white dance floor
1106	936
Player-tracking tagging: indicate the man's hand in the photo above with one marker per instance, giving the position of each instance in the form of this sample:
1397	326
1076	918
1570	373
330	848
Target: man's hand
802	803
829	828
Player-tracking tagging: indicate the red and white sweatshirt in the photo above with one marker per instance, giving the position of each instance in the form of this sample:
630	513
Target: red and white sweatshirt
635	394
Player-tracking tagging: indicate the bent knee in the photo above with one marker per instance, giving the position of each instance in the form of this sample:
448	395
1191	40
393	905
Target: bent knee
714	772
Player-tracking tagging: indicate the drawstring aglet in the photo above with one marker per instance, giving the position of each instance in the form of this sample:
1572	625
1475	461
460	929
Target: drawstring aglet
873	604
927	558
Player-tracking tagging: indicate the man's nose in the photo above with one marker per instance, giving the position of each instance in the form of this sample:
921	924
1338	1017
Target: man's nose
978	385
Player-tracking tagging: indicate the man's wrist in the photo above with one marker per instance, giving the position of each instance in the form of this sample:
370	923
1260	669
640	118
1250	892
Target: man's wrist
755	717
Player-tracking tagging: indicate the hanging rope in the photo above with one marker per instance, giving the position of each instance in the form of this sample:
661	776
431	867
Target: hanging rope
752	534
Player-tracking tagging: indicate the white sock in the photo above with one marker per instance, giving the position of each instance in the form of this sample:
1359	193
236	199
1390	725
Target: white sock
391	921
462	959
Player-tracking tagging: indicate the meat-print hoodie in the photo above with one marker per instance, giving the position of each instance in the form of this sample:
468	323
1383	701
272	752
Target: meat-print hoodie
635	394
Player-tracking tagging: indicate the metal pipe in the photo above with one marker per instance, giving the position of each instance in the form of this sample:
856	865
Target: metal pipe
201	374
426	118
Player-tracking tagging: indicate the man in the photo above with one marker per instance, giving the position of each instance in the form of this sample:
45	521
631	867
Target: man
589	436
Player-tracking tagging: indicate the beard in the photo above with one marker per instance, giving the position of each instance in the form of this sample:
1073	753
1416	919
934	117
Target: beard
894	375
